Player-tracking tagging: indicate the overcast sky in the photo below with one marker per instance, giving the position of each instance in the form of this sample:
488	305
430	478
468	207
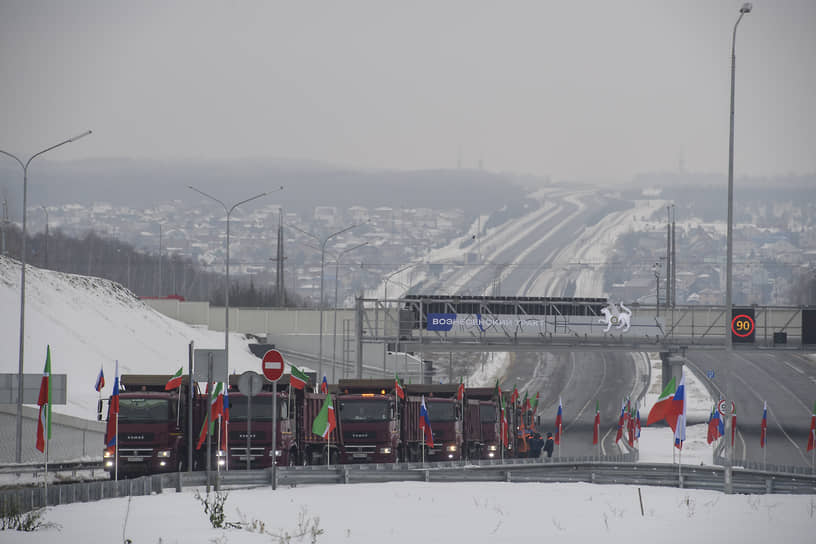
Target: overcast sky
594	90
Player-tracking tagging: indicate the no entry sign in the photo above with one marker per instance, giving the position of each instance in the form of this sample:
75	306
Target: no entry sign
272	365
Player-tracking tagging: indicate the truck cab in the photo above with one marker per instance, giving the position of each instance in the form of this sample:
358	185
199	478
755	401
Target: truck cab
368	422
446	417
152	427
260	426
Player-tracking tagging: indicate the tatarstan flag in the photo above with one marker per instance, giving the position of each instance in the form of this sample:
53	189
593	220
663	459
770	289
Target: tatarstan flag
664	402
597	425
812	435
325	422
298	379
175	380
44	401
398	388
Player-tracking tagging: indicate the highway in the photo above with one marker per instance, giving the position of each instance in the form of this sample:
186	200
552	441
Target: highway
557	235
786	380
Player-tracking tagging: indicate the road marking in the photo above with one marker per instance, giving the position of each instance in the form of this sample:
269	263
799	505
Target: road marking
794	368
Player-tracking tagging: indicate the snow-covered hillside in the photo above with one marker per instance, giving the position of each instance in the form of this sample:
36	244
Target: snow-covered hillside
90	322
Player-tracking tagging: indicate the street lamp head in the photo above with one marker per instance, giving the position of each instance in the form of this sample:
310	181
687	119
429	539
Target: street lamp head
746	7
78	136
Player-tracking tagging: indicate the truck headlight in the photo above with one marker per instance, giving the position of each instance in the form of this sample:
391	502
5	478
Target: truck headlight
277	453
163	454
385	450
107	454
452	447
492	447
221	453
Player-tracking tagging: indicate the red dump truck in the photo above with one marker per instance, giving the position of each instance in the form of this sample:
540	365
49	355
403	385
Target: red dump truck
446	417
482	424
152	426
260	426
369	422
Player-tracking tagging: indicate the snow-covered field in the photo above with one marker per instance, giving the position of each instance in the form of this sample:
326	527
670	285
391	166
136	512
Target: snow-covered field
410	512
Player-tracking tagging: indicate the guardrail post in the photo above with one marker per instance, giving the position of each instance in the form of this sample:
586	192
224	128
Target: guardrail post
682	481
728	486
769	486
507	477
178	482
427	475
345	475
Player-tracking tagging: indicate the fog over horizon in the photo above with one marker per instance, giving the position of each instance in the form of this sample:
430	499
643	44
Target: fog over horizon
590	91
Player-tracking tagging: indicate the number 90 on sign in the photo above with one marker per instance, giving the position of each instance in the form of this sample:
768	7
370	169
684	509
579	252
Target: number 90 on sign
742	326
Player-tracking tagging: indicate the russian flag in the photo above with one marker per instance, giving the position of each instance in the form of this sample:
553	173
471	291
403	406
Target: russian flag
113	412
558	423
678	409
100	380
764	433
425	423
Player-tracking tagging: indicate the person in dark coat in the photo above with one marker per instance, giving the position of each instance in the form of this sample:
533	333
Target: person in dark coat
536	443
549	444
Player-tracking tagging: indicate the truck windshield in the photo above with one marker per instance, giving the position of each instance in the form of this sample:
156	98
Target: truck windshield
261	408
487	413
441	411
146	410
364	410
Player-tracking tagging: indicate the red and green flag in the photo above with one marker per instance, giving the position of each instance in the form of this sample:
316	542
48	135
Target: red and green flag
325	422
460	391
298	379
515	396
535	404
216	397
812	435
664	402
44	401
175	380
596	427
400	392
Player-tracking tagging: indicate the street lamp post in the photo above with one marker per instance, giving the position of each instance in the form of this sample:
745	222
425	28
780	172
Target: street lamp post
320	302
24	165
746	8
656	268
229	211
336	282
45	248
391	275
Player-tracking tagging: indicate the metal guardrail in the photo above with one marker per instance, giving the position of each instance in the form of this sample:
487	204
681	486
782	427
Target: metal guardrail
715	478
39	468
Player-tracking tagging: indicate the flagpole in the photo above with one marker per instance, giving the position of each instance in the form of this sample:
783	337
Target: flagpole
47	440
765	453
178	407
680	465
218	445
116	451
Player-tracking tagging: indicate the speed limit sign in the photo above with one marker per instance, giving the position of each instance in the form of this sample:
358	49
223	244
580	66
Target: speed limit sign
742	325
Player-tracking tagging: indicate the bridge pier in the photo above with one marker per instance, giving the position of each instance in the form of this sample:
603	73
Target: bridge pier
672	367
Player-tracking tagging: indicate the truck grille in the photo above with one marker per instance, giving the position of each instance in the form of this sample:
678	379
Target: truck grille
240	453
135	452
